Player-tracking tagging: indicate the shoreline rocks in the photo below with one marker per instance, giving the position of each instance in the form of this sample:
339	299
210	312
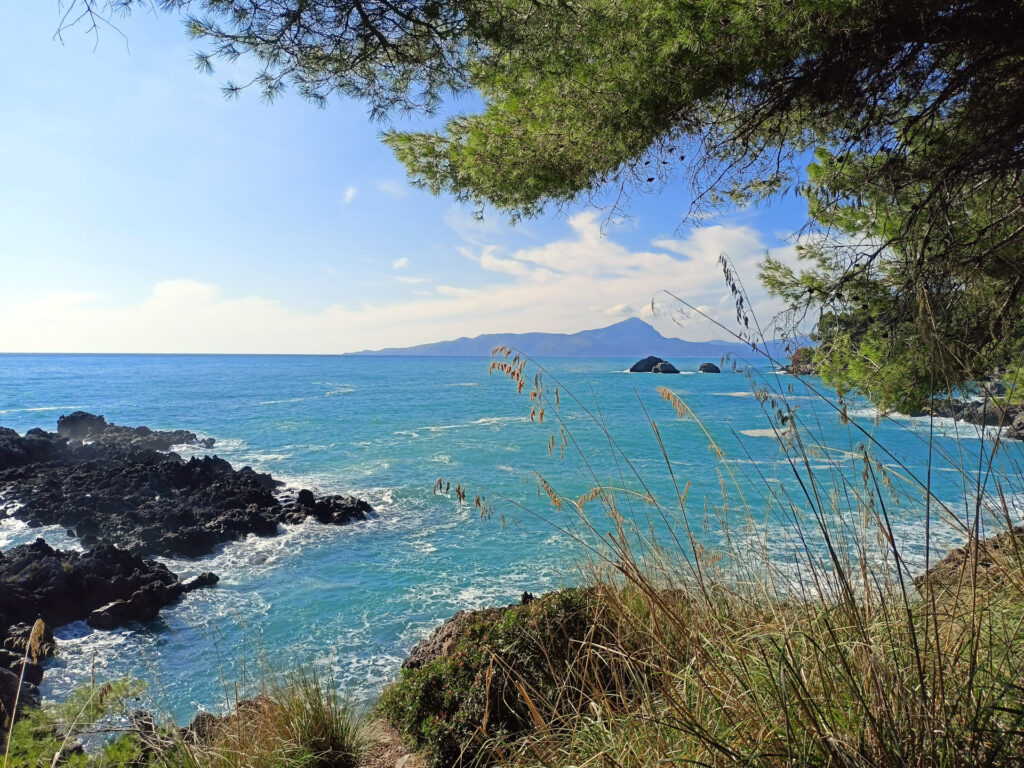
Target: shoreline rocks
109	489
106	587
125	498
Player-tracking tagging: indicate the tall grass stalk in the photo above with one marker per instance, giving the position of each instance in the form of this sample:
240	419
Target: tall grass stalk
805	633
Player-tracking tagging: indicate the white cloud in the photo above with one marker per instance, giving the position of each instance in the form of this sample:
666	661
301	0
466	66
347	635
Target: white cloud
620	310
580	281
350	195
393	188
401	263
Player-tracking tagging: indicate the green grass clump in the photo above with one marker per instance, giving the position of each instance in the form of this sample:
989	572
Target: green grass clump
491	684
297	721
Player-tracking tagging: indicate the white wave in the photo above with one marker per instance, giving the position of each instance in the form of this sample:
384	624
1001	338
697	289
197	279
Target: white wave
493	420
679	373
760	432
279	402
487	421
465	384
14	531
257	457
340	391
68	408
732	394
406	433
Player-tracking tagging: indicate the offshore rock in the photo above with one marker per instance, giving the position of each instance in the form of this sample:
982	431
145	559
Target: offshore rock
709	368
653	365
330	510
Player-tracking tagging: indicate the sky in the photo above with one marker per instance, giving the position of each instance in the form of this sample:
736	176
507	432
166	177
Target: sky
141	211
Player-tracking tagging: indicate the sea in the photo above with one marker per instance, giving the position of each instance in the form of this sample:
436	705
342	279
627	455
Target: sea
692	460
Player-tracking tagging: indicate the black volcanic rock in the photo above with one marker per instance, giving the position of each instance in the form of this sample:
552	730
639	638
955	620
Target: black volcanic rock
38	581
109	489
331	510
709	368
80	427
653	365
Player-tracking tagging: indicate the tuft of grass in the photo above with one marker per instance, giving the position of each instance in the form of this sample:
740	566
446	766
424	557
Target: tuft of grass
298	720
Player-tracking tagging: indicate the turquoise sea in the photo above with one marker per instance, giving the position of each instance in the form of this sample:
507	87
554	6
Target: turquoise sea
355	599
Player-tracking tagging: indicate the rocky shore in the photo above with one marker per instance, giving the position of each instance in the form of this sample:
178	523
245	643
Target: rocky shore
126	497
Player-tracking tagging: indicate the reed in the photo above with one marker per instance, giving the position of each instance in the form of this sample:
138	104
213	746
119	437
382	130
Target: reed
714	638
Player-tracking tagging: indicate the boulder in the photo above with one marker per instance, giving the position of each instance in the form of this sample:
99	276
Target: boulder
9	684
709	368
80	426
653	365
1016	429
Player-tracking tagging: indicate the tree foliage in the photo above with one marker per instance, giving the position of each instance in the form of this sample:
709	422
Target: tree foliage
917	108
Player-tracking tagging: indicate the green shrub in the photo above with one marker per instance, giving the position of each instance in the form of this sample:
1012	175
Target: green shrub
507	669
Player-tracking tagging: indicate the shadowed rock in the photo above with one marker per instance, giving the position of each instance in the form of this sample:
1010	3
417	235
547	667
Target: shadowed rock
653	365
111	490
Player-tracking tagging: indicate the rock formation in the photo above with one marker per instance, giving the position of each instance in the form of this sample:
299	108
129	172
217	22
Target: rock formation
653	365
149	503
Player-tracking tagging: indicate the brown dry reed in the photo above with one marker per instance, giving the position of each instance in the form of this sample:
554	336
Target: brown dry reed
814	639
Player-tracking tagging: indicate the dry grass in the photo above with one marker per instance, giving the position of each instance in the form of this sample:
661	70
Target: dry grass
734	655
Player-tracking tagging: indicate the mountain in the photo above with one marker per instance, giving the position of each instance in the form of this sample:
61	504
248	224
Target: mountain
629	338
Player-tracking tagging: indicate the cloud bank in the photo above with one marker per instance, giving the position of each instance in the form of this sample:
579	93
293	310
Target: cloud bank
585	280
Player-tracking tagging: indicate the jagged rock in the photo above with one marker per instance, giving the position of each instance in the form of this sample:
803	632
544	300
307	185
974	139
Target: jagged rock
32	674
16	639
142	606
709	368
1016	429
439	642
653	365
111	490
80	427
987	558
335	510
60	587
201	581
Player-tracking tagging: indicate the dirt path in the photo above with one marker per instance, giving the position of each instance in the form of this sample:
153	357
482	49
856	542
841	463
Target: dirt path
384	749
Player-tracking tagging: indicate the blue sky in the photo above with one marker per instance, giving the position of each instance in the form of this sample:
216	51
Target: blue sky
140	211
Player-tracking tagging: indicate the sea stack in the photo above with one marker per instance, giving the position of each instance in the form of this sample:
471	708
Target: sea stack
653	365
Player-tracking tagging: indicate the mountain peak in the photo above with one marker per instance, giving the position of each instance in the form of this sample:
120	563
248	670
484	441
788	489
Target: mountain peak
631	337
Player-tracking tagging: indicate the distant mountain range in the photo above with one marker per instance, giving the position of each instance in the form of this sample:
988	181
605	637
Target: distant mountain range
629	338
